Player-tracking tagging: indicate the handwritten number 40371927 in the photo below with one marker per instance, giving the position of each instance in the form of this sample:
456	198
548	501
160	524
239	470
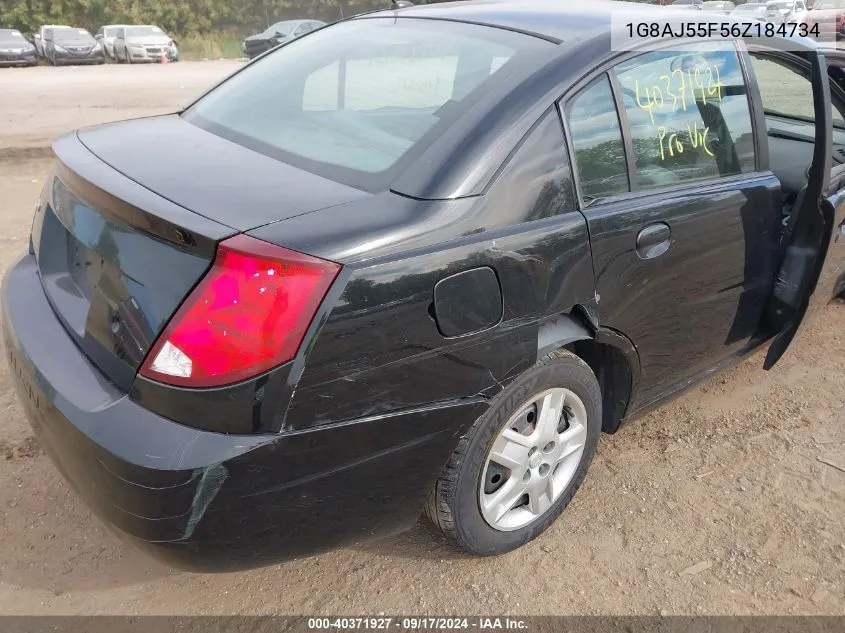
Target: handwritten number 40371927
676	91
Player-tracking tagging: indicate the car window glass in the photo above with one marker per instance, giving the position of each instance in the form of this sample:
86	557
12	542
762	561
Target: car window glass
497	63
597	141
430	84
785	91
688	114
354	99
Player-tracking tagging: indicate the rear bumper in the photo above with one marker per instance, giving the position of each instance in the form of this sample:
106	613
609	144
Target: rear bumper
206	501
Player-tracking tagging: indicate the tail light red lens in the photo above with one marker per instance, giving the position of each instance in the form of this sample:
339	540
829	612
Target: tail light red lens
248	314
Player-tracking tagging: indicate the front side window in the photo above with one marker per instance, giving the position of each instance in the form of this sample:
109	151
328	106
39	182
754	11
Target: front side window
597	142
688	114
353	100
787	92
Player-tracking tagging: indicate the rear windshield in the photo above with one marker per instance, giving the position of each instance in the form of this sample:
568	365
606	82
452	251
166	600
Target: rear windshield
355	101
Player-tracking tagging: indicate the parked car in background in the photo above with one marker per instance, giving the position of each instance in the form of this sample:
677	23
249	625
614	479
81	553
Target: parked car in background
16	50
785	11
144	43
39	38
723	7
750	11
106	35
274	35
694	5
68	45
829	15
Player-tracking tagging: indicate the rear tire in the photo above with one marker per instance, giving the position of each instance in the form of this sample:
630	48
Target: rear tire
488	508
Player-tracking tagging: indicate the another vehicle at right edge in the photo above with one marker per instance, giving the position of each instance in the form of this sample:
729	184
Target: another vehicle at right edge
829	15
417	261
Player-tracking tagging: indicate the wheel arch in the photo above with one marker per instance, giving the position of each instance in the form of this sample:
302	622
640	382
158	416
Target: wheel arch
610	354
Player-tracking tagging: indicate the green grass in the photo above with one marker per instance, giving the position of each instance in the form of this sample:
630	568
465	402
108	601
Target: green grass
210	47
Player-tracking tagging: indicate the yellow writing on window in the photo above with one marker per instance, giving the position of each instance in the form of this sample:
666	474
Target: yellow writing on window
678	90
673	143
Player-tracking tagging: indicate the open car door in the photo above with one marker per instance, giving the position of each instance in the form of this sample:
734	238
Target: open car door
808	229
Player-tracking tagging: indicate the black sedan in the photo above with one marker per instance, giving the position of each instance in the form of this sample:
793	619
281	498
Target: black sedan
72	46
277	33
15	50
405	264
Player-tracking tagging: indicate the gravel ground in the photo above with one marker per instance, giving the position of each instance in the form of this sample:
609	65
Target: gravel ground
728	500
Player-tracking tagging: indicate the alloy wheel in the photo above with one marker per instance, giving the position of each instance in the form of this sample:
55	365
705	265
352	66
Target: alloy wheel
533	459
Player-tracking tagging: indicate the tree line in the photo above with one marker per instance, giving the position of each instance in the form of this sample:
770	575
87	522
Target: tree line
180	17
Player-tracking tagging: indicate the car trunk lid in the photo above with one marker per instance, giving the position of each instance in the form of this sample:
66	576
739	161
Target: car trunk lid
212	176
114	259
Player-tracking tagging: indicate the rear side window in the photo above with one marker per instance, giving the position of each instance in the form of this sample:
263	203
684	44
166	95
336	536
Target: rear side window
688	114
356	100
597	141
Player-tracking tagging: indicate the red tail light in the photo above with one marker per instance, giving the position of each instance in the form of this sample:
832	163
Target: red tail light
247	315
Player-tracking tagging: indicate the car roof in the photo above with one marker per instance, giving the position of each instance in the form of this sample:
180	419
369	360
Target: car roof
556	21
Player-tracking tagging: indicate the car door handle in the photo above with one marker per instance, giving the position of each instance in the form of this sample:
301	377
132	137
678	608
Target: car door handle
653	241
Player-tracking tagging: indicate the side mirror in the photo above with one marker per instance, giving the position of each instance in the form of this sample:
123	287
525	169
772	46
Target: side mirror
37	36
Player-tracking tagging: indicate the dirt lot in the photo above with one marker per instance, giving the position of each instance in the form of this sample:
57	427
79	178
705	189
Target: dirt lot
729	500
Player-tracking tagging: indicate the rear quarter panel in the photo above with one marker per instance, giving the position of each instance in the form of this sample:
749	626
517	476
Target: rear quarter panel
379	348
